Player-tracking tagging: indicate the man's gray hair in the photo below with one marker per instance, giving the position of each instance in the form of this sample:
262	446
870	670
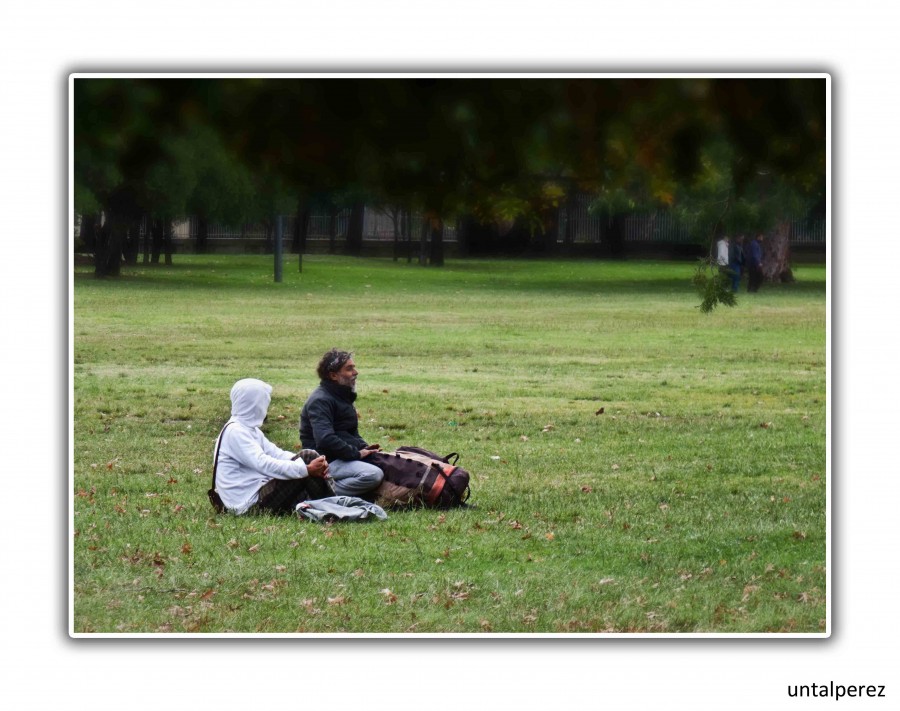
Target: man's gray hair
332	362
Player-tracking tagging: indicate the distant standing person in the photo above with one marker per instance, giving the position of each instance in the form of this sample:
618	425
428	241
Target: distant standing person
755	263
722	253
329	424
736	261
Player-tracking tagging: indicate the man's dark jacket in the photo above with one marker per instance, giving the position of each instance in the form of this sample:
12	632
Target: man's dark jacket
329	423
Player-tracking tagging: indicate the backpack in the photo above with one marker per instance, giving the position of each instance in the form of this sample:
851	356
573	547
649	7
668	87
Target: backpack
417	477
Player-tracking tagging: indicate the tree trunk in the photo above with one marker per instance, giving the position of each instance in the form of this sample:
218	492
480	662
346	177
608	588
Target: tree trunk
168	243
148	230
777	254
89	226
396	216
437	242
407	235
156	241
550	231
423	242
614	243
355	229
108	252
332	229
132	243
202	235
462	237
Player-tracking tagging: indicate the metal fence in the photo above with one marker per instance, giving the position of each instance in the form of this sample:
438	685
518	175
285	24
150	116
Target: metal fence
378	226
661	226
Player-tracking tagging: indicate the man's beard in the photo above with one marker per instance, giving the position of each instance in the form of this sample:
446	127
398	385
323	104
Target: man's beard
347	382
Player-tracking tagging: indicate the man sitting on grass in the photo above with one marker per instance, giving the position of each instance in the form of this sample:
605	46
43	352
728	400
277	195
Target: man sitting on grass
329	424
250	471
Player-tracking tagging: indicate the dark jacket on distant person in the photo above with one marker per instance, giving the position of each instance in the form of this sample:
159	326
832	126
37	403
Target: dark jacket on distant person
329	423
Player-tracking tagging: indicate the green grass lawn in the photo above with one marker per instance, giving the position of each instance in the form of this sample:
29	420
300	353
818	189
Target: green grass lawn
637	466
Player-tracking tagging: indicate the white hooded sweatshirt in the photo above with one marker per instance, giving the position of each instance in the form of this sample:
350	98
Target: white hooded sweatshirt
247	460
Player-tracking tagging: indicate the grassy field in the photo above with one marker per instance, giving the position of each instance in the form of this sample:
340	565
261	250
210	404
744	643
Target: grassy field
637	466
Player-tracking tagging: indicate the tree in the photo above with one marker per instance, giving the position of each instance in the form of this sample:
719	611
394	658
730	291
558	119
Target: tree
503	153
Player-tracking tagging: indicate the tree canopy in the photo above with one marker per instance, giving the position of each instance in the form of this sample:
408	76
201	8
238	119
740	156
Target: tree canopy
496	148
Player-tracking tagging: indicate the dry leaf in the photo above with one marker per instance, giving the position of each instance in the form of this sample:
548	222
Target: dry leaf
253	549
600	411
339	600
549	536
586	489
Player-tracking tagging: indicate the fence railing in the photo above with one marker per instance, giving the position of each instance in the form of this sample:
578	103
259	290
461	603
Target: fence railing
576	223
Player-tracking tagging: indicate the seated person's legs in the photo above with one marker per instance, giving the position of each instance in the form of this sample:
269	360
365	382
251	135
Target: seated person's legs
280	497
354	478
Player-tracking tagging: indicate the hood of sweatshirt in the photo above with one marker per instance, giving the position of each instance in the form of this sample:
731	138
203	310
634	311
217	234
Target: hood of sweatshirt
250	400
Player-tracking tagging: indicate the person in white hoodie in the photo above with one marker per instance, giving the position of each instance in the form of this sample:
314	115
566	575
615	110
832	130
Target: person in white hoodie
250	471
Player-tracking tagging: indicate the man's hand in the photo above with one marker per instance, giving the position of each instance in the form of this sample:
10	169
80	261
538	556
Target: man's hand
318	468
369	448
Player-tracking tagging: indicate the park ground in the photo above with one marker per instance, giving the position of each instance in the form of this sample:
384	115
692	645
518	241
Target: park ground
637	466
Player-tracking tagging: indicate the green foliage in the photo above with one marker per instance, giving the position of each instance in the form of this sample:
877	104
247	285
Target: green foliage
713	287
448	146
637	467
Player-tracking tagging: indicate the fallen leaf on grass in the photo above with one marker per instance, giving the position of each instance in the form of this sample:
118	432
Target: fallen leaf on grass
253	549
549	536
389	597
600	411
339	600
586	489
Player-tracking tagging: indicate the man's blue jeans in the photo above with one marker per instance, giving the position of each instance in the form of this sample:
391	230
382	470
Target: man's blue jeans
735	276
353	478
